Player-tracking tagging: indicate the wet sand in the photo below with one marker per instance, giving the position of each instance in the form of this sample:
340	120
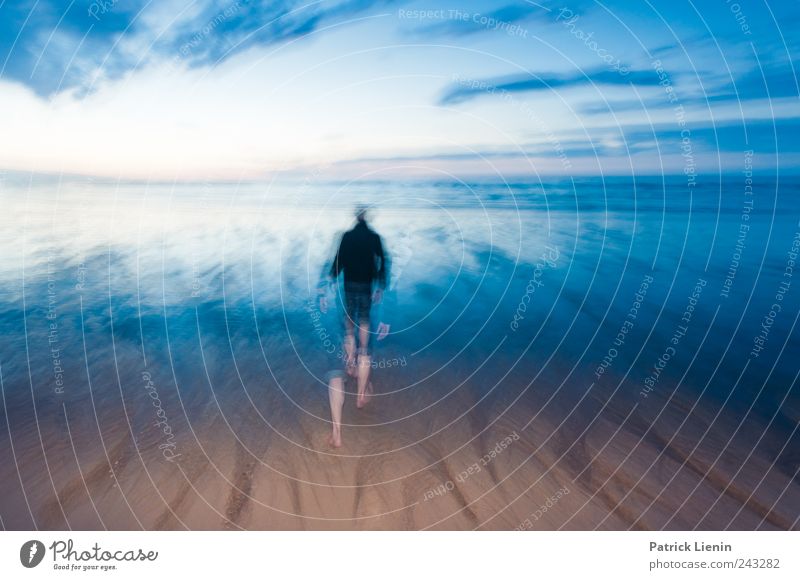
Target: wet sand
267	466
188	388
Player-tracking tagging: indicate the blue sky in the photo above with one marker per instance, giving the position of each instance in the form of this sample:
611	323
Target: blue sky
247	89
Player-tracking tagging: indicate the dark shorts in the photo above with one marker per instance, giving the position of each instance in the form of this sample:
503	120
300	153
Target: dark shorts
357	302
334	374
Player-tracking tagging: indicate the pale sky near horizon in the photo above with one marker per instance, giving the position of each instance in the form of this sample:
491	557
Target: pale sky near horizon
244	89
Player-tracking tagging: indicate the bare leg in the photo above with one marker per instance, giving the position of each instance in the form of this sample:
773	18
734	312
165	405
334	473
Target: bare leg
364	363
350	349
336	393
363	337
364	384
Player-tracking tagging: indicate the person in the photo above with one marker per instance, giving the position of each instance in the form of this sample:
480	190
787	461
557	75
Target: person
328	325
361	259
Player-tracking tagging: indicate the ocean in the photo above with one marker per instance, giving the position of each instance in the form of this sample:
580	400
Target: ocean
638	335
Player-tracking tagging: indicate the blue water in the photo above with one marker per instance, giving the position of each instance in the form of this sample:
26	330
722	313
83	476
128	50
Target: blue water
512	285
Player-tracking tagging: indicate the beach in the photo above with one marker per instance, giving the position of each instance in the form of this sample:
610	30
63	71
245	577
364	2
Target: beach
562	356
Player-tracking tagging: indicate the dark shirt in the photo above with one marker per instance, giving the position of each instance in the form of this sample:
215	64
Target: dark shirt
360	257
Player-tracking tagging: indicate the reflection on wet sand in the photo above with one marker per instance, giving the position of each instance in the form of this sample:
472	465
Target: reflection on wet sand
254	456
193	393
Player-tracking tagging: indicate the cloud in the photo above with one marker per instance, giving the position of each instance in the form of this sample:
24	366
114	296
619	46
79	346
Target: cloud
459	22
48	47
470	19
467	89
658	141
772	81
220	33
765	136
51	48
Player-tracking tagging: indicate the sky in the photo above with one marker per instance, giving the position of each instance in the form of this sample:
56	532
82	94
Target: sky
250	89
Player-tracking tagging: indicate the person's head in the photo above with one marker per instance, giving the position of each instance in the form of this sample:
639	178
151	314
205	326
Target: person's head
361	213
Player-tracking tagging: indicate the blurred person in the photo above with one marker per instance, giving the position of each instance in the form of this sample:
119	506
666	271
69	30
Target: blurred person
362	261
330	325
340	309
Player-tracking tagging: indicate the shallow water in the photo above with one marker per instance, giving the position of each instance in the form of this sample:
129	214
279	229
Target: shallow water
562	302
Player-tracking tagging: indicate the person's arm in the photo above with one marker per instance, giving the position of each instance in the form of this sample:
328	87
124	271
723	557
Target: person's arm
383	266
386	312
336	267
330	275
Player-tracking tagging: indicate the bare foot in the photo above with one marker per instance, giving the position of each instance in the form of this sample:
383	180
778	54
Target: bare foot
362	400
335	440
352	368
